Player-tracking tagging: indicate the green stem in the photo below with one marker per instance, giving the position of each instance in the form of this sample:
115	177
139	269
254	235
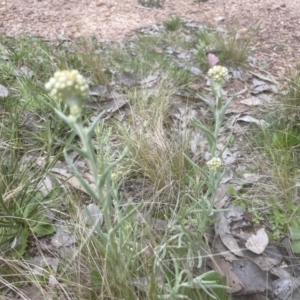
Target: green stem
88	149
213	175
216	89
216	132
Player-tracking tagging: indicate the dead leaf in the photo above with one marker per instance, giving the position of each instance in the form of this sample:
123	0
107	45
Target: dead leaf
253	101
184	55
127	78
23	71
240	92
147	248
242	31
196	71
31	292
77	161
264	88
223	268
3	91
169	50
92	215
283	288
252	178
281	272
235	213
98	90
151	80
62	171
294	260
236	73
236	108
257	82
185	114
218	247
62	238
270	257
253	278
160	225
52	282
222	196
240	224
196	86
266	98
117	102
45	185
4	57
46	261
72	180
157	49
219	19
197	143
266	78
228	157
258	241
242	234
250	119
142	283
222	229
192	24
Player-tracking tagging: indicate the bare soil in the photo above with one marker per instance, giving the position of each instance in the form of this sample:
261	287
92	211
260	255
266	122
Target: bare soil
276	42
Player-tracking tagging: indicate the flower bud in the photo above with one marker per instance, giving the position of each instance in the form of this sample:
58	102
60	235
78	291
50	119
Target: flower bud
69	87
214	163
218	74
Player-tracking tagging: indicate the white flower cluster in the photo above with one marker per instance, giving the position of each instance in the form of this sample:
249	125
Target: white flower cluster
218	74
214	163
68	86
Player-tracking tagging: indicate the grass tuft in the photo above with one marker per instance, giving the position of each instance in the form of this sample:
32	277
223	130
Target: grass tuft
231	47
173	24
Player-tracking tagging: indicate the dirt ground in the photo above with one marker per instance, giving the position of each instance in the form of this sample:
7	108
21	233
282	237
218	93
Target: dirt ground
276	43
